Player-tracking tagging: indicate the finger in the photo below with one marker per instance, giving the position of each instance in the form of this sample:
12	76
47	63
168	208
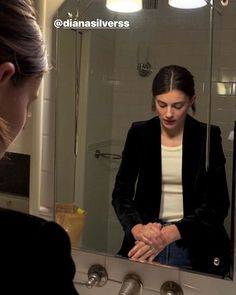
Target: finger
155	240
145	252
140	252
148	234
146	238
147	255
138	245
152	257
143	235
157	243
133	251
157	225
153	227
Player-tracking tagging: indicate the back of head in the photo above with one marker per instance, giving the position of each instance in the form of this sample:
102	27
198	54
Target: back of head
35	256
21	39
20	44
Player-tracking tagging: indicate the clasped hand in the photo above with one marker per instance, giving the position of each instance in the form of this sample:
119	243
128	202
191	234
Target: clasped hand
150	241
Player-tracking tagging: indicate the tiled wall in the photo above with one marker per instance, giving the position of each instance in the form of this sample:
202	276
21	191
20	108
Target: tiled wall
45	204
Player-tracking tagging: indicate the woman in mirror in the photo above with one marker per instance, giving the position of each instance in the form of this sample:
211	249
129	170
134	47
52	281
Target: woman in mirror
35	254
171	207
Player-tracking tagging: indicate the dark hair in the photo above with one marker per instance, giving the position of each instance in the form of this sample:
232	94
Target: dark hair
173	77
21	44
21	39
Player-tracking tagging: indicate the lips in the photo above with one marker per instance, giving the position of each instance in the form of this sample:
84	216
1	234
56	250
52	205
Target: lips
169	122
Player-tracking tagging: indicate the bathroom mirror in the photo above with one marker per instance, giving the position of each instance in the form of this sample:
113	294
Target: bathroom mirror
104	79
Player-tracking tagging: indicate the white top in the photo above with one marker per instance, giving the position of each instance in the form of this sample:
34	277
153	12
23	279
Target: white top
172	192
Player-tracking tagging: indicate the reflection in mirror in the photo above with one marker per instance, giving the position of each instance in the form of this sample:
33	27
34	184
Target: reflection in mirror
171	206
101	91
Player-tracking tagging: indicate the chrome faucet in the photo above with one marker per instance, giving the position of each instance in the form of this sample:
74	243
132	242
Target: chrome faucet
131	285
97	276
171	288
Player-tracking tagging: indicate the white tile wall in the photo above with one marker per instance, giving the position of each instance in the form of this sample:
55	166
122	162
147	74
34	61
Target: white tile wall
46	202
49	117
48	154
47	191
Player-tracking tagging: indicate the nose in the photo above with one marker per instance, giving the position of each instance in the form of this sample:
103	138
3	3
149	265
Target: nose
169	112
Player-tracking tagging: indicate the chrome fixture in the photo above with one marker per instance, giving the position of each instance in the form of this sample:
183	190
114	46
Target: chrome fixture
171	288
109	156
124	5
144	69
224	2
187	4
97	276
131	285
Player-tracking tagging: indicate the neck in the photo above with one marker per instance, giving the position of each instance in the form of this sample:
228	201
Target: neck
172	133
171	137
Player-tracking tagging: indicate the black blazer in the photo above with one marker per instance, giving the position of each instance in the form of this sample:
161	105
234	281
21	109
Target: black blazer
137	192
35	256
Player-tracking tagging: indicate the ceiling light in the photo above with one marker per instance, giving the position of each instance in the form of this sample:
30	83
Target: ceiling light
124	5
187	4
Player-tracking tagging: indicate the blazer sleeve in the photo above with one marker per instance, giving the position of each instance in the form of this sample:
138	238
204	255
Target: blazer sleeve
54	259
203	230
214	195
35	256
124	188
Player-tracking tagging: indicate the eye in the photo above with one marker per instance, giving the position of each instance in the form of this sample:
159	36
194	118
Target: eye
161	104
178	105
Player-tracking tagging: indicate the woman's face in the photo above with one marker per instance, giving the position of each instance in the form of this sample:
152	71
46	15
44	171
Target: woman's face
172	108
14	104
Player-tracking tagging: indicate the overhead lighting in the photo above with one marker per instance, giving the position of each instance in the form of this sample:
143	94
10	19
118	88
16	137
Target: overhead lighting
187	4
124	5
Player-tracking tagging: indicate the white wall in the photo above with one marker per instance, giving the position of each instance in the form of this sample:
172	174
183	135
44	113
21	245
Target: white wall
42	180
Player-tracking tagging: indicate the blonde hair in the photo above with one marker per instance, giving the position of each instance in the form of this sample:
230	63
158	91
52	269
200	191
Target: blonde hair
21	44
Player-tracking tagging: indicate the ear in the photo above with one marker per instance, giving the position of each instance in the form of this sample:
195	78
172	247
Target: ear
7	70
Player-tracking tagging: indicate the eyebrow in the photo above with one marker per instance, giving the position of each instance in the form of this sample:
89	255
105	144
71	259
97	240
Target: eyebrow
159	100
